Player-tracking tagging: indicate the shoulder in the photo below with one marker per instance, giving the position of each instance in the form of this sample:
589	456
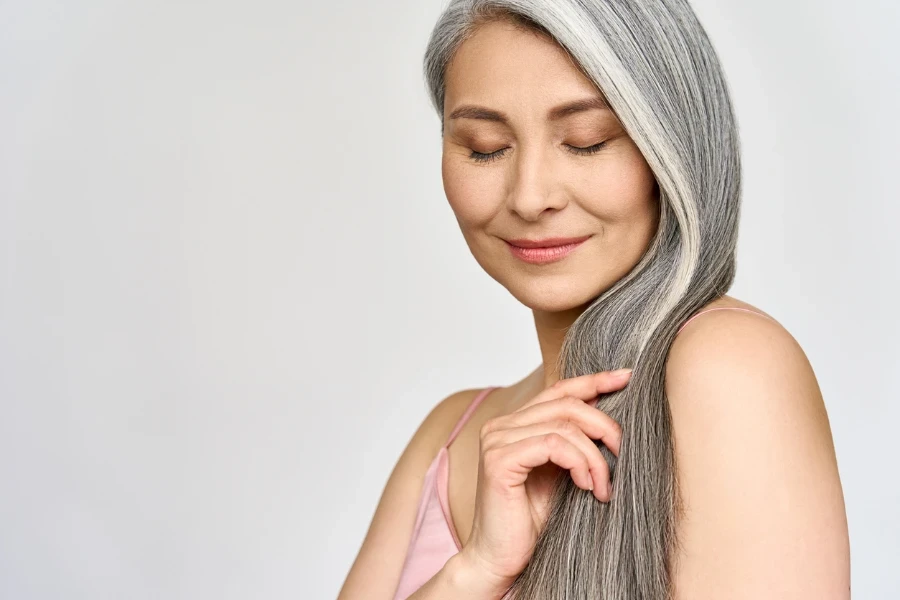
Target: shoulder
741	352
762	506
377	567
442	418
433	432
747	375
725	344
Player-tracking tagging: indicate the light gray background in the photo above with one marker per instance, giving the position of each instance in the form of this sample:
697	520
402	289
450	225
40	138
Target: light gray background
231	286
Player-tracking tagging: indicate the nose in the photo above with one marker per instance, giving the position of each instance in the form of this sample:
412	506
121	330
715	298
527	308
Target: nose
534	187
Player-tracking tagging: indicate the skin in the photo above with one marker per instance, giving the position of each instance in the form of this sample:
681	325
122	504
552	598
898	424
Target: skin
763	513
537	186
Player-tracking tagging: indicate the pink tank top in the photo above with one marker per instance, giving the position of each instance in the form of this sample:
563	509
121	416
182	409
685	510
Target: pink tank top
434	539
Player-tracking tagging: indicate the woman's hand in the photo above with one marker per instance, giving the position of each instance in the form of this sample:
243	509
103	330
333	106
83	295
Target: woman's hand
520	458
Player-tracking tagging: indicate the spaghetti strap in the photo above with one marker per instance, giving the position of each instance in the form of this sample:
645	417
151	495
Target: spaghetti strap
468	413
721	308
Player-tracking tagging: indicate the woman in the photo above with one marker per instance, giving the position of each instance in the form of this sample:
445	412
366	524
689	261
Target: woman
591	157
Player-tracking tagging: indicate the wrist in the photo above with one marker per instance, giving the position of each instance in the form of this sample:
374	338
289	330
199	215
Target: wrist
467	577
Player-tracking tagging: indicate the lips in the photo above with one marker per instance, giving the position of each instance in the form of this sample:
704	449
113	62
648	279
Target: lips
547	250
547	242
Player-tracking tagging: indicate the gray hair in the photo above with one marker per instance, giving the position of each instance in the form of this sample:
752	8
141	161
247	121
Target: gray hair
655	65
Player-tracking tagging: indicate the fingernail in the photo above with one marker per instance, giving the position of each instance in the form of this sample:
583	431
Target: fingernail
620	372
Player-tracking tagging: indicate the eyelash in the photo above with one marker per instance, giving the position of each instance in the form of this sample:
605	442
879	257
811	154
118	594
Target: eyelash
485	158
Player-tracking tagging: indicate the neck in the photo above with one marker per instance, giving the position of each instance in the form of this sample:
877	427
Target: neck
551	330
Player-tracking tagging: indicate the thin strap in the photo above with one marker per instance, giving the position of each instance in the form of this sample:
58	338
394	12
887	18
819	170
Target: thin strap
721	308
468	413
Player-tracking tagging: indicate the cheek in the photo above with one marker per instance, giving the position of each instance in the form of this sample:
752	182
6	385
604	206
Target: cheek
471	195
623	190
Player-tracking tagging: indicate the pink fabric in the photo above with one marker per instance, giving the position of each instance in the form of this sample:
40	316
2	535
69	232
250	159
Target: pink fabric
434	539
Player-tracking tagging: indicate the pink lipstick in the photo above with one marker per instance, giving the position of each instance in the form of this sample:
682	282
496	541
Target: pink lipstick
544	251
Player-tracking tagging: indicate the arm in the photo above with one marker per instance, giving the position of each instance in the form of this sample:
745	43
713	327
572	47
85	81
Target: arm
375	572
764	513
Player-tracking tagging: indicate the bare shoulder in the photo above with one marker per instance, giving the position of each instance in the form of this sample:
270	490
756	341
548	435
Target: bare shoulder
763	512
445	414
738	343
436	427
375	572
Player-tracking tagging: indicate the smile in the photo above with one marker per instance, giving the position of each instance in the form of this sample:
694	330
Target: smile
544	251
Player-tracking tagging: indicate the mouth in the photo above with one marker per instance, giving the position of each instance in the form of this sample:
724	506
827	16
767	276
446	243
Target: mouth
544	251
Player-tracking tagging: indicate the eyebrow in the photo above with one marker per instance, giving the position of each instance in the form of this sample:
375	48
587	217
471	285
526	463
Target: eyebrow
471	111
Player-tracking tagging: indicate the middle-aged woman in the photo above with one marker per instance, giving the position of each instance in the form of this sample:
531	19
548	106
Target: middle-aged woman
591	157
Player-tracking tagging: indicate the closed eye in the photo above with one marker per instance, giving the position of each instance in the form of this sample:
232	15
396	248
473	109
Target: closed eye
482	157
586	151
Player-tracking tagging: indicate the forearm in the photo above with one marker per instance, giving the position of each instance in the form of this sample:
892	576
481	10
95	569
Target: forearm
458	579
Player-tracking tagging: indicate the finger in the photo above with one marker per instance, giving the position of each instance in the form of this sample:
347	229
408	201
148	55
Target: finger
595	423
511	464
586	387
597	467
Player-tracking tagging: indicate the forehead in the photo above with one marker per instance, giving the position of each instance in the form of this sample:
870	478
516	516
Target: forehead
504	64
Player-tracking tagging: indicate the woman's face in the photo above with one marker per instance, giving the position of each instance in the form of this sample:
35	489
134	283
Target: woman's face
512	170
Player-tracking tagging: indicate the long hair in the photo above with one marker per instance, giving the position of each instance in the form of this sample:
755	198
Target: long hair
653	62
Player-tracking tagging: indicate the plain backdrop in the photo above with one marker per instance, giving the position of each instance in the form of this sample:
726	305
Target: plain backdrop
231	286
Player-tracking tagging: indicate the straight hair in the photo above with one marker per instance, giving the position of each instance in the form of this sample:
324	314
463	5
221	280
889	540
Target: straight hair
654	64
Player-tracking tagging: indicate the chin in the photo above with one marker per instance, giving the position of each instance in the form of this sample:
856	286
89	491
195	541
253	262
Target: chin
560	293
573	287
